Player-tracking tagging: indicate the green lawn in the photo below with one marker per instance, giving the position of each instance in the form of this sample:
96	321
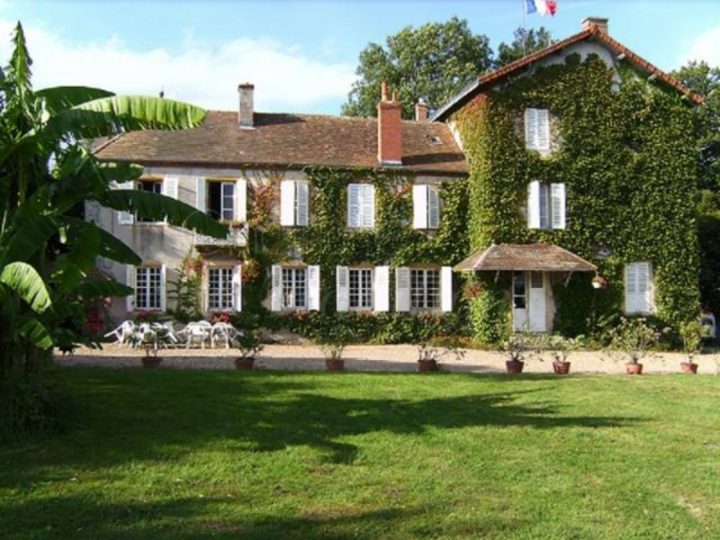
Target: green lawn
191	454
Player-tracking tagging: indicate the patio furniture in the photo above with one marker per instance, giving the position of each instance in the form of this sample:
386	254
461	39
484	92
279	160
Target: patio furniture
222	331
123	332
197	331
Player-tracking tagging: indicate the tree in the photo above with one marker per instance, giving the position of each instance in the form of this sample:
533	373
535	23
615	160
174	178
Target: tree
525	42
431	62
47	251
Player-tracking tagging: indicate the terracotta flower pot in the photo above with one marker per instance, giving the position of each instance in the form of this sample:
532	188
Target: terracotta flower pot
634	369
688	367
427	365
334	365
561	368
514	366
244	363
151	361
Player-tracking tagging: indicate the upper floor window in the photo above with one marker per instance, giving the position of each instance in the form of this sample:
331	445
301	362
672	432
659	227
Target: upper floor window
546	205
426	207
294	203
166	186
221	200
537	129
151	186
361	206
639	293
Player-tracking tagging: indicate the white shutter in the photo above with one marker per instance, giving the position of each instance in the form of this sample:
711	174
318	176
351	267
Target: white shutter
237	288
433	208
163	288
276	279
241	200
313	280
420	207
381	288
638	288
200	200
643	284
369	206
446	292
557	196
531	124
130	282
302	204
170	186
631	288
402	289
533	205
543	129
287	203
353	214
125	218
342	288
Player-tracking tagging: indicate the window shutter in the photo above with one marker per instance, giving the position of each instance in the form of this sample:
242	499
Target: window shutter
433	208
313	279
557	196
125	218
163	281
241	200
287	203
302	204
533	205
543	129
200	199
276	278
369	206
402	289
342	291
381	288
237	288
644	281
353	194
420	207
631	287
446	292
170	186
130	282
531	125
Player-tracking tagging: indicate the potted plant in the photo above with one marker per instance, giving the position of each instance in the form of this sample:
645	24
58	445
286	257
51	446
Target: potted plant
332	339
517	349
248	344
562	348
428	355
692	334
633	340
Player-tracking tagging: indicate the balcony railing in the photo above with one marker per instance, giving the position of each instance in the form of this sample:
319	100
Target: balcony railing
237	236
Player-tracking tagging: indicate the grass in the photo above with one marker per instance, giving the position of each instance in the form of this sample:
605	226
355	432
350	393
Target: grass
198	454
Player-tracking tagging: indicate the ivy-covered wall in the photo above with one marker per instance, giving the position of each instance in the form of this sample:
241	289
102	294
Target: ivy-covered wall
627	157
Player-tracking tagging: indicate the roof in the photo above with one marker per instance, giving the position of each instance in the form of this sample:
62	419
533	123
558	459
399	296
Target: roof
538	257
288	140
594	33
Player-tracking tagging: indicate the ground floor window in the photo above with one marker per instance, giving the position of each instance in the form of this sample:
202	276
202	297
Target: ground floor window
220	288
360	289
148	287
294	288
424	288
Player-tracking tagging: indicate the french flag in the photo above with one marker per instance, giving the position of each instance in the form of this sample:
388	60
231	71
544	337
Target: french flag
543	7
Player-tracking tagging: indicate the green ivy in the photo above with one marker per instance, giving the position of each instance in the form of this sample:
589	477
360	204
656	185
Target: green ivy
627	157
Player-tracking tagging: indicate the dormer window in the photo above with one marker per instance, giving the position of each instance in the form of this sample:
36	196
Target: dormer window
537	129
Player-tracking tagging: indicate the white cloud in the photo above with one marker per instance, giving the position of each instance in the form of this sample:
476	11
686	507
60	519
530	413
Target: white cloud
706	47
285	79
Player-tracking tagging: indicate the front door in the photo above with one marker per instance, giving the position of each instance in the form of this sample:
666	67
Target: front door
519	302
537	308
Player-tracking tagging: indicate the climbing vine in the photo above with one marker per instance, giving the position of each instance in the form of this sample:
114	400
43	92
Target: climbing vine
625	152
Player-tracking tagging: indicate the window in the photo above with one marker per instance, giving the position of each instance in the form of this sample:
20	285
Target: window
294	288
361	206
294	203
537	129
424	289
221	200
148	287
220	288
360	290
151	186
546	206
426	207
638	288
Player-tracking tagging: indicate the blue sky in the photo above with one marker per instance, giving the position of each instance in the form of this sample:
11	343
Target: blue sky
302	55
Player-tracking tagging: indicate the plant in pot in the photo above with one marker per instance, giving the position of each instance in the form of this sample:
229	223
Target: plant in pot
332	338
429	355
632	340
248	344
561	349
692	334
517	349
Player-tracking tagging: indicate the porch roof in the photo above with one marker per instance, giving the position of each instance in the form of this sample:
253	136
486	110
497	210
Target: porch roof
537	257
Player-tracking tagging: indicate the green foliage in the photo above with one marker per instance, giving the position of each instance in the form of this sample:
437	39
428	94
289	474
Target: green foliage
248	343
185	292
432	62
525	42
634	338
628	159
692	333
489	309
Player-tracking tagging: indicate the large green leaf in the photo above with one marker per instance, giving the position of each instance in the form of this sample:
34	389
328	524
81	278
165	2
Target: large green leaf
36	333
151	112
26	282
73	266
28	237
110	246
59	98
103	289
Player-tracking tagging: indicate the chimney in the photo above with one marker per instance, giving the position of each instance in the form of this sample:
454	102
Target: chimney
389	129
595	22
246	110
421	111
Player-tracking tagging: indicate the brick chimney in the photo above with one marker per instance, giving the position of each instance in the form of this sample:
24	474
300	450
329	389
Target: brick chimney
421	111
246	110
597	22
389	129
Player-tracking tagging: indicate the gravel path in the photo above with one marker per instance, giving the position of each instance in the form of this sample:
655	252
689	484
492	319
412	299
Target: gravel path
371	358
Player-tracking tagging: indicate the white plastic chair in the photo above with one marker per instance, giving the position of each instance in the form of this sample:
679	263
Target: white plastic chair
200	330
222	331
123	332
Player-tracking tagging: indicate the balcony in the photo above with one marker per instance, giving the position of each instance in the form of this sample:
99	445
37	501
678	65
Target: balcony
237	237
